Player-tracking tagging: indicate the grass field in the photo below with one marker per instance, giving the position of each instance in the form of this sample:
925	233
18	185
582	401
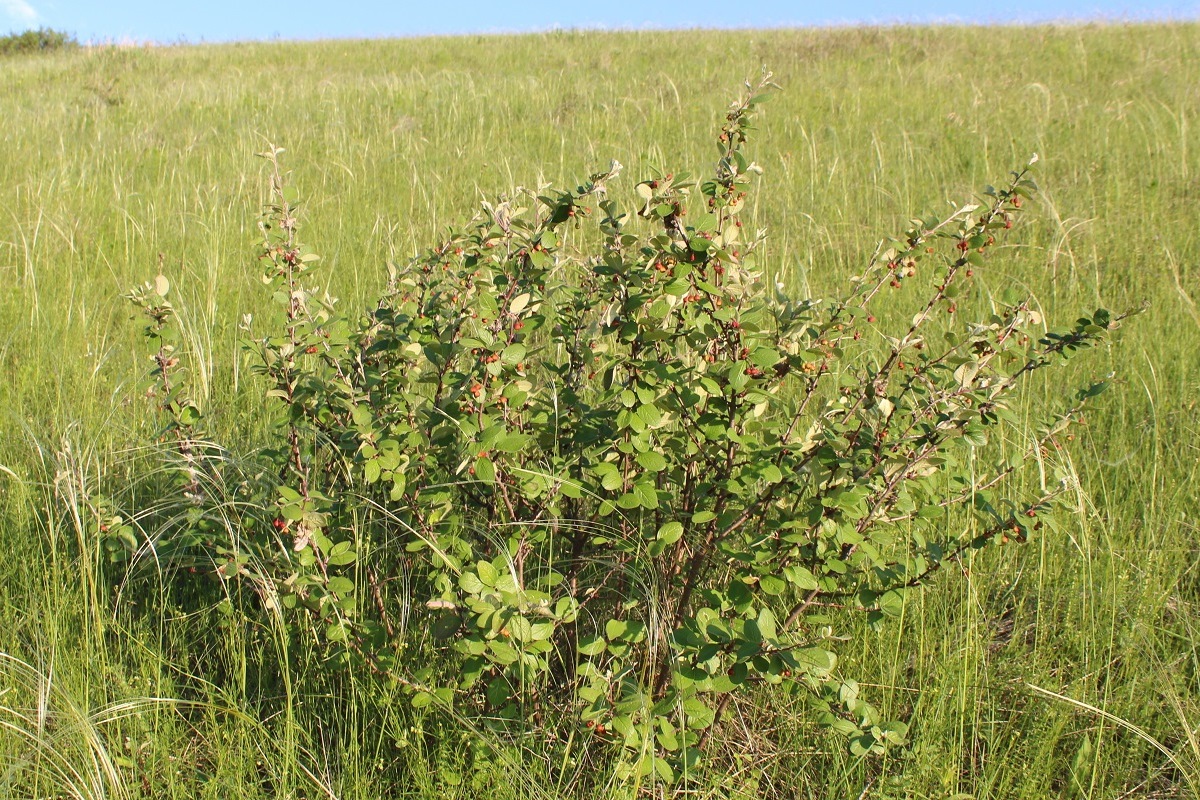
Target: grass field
1068	668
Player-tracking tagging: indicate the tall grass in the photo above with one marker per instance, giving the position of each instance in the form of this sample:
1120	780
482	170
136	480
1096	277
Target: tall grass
1066	668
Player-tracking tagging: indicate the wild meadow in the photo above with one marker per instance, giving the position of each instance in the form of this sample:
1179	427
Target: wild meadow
1068	666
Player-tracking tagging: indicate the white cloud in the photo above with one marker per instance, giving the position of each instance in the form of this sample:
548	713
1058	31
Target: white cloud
18	11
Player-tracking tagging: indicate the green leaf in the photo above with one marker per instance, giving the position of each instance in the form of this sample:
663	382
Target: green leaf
670	532
646	493
445	625
513	354
629	501
485	470
627	630
862	745
892	603
766	624
592	645
650	415
651	461
772	585
341	559
765	357
341	585
361	414
469	582
487	573
512	442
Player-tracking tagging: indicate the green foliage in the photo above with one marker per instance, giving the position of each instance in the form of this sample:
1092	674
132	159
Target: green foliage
42	40
580	470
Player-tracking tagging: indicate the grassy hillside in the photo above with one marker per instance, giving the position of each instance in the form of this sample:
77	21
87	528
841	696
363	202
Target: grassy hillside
109	158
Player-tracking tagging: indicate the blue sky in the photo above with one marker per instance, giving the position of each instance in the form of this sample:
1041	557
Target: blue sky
225	20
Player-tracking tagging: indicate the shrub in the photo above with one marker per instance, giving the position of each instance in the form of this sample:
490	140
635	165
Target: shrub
42	40
598	482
